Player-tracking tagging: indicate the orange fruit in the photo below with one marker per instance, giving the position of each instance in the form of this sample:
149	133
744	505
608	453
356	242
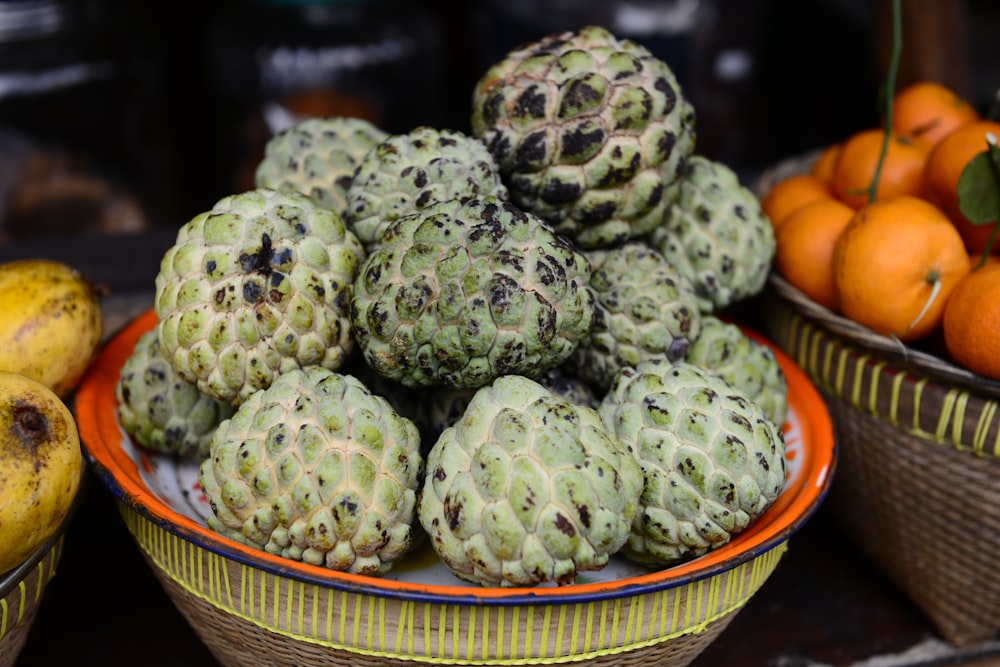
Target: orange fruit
971	324
895	265
928	111
943	169
822	168
901	173
790	193
804	252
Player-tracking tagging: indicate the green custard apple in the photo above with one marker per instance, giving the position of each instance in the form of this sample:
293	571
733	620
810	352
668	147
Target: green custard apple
258	285
461	293
590	132
527	488
317	469
712	461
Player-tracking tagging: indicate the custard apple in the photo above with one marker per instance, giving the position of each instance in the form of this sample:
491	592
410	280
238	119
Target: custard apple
317	157
716	234
724	350
589	132
317	469
646	309
162	412
408	172
527	488
258	285
461	293
711	461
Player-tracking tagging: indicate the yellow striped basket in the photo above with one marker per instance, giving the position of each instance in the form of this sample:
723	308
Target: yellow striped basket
252	608
22	590
249	616
918	479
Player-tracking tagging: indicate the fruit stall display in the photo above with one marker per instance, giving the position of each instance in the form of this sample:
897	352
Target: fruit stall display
467	398
884	284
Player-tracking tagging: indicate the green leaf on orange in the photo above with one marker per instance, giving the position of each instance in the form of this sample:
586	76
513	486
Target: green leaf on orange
979	188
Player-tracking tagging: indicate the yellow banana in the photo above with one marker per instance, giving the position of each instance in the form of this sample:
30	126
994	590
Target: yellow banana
40	466
51	323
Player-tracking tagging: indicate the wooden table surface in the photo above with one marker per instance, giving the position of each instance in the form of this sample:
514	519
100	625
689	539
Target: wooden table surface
825	605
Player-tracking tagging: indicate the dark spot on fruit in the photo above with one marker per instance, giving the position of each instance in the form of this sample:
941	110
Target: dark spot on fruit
565	526
678	348
582	141
530	155
619	175
669	93
530	104
349	505
452	513
665	144
259	261
598	213
420	180
579	94
560	192
500	146
252	292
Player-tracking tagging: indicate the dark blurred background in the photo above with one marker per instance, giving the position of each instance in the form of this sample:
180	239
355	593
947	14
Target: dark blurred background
120	116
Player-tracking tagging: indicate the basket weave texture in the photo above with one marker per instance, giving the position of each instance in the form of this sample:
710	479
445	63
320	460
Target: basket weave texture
21	601
250	617
918	481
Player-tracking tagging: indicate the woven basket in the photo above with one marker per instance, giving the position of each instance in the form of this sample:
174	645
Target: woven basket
918	478
23	588
250	617
21	596
919	466
252	608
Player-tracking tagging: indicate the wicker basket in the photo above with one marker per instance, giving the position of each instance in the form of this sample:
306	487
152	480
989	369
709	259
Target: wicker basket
248	616
22	589
252	608
918	484
20	598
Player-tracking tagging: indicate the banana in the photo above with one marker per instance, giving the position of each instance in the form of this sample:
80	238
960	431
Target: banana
40	466
51	323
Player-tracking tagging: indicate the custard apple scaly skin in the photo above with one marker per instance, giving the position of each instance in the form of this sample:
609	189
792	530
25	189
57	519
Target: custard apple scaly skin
527	488
317	157
162	412
589	132
258	285
317	469
716	234
724	350
408	172
646	309
712	462
461	293
443	407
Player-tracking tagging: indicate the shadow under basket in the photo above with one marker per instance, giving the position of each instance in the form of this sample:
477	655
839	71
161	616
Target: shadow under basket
918	477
